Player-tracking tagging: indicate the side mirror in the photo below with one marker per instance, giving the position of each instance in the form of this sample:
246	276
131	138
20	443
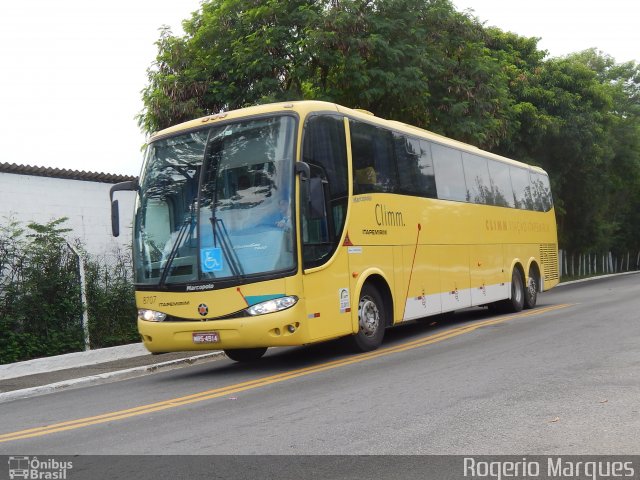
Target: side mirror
304	170
131	185
115	219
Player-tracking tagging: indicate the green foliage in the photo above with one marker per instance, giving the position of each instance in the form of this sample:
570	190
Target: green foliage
235	53
40	305
40	310
579	120
424	63
416	61
111	302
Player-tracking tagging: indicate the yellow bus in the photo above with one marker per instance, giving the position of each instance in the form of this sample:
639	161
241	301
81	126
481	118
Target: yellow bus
295	223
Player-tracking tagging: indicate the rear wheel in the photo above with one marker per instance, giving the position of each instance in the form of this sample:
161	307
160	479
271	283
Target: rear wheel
245	354
371	320
516	302
531	292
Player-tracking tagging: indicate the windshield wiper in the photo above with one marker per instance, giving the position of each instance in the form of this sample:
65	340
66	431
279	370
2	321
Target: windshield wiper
220	232
174	249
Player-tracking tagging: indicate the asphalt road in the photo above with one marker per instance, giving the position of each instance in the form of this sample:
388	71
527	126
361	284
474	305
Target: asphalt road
563	378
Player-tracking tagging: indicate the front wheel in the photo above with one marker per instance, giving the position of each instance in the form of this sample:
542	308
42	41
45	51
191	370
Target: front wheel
371	320
245	354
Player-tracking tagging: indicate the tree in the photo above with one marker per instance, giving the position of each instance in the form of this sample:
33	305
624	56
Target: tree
423	63
469	89
234	53
417	61
622	126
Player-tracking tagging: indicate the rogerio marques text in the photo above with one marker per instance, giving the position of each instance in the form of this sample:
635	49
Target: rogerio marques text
582	468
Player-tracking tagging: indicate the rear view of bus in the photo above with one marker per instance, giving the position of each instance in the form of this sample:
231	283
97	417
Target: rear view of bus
290	224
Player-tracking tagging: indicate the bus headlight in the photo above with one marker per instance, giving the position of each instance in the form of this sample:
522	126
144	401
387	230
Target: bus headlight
271	306
151	315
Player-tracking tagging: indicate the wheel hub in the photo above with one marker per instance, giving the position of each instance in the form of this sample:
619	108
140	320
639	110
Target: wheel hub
369	316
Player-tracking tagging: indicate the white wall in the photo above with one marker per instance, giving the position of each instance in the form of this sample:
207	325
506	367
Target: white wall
29	198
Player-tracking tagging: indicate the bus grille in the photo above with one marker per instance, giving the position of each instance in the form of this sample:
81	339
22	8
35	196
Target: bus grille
549	260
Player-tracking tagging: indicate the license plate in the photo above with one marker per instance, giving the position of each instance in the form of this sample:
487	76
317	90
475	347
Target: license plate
206	337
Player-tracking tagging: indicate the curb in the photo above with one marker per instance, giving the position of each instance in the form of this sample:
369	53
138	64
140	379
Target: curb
98	378
599	277
71	360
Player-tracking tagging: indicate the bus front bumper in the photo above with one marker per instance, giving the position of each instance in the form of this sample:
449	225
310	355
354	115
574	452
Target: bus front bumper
283	328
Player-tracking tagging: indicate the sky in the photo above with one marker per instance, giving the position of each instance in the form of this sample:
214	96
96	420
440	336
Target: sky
567	26
71	71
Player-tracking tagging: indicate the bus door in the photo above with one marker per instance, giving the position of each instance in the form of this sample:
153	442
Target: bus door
323	210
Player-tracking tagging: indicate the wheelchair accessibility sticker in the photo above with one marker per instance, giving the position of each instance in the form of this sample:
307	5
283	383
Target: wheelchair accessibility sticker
211	259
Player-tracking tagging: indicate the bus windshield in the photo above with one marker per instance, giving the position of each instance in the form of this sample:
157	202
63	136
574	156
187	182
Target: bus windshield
216	204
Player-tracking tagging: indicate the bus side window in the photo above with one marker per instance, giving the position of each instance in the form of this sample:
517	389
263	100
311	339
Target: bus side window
427	173
476	174
541	192
449	173
372	152
501	184
415	167
521	188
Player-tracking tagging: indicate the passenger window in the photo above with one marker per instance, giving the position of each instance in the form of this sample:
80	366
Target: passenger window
447	163
427	173
521	188
415	167
372	152
476	174
501	184
541	192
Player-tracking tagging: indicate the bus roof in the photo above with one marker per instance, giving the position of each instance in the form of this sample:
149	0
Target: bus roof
304	107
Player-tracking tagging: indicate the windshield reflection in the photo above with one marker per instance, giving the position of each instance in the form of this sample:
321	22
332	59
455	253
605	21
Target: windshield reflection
217	204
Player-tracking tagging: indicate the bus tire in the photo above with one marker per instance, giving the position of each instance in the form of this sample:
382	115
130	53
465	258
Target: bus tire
516	302
371	320
531	292
245	354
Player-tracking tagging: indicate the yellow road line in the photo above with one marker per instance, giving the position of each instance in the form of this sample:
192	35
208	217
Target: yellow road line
261	382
